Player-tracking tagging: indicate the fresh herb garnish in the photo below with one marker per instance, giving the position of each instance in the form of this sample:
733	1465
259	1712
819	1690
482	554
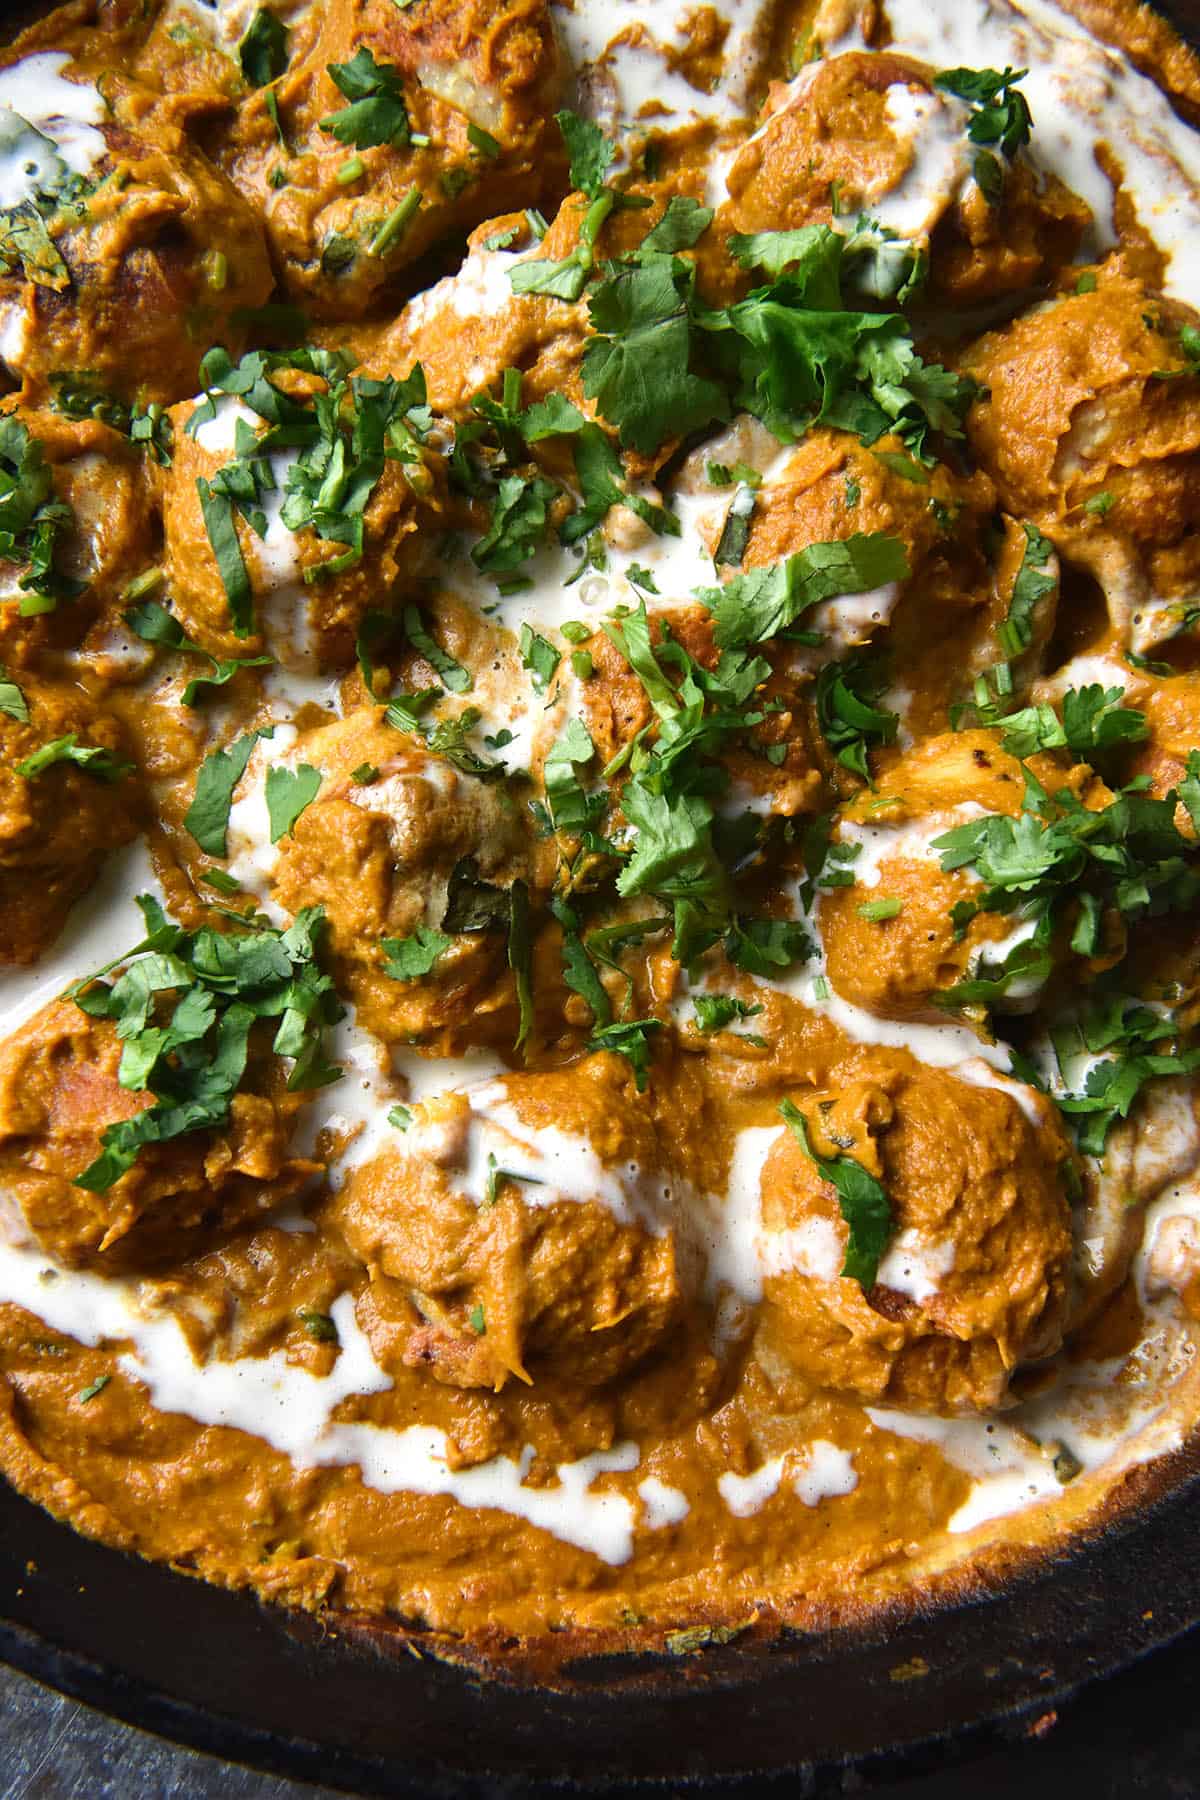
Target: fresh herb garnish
761	603
103	764
263	51
377	113
184	1007
862	1200
207	818
411	958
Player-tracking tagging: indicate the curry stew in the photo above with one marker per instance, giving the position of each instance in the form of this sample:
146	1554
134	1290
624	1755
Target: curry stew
599	789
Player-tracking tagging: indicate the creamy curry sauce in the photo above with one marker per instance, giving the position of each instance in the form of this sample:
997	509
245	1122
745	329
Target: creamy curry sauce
597	819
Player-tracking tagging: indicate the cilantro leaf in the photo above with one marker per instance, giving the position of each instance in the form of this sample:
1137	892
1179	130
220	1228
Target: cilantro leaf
520	517
1002	116
520	959
1092	722
539	656
207	818
408	959
377	113
764	946
1036	579
631	1039
452	673
31	519
97	761
680	228
602	485
591	155
862	1200
192	1058
288	793
151	621
217	511
637	366
715	1011
850	722
579	971
263	51
12	701
763	602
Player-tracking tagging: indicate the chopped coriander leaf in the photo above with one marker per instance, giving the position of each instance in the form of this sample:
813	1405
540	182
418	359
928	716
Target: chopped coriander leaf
151	621
802	357
263	51
1099	504
452	673
482	141
217	511
410	958
31	518
319	1326
12	701
764	946
93	1388
400	1117
477	1320
1036	579
221	880
582	665
1092	722
1023	971
756	606
876	911
288	793
520	518
207	818
473	904
1116	1040
1002	116
184	1008
1129	854
715	1011
377	113
448	738
103	764
404	711
396	224
850	723
602	484
631	1039
641	578
364	774
579	971
735	533
1086	283
520	959
638	364
680	228
539	656
502	240
862	1200
591	154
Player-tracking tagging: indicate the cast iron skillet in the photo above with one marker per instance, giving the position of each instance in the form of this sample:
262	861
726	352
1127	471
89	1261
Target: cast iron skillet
222	1673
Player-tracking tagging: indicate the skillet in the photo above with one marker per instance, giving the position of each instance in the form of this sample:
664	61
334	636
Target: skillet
284	1692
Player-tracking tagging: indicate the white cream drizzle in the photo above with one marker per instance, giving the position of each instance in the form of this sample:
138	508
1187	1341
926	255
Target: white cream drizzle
817	1471
1083	95
293	1410
47	127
